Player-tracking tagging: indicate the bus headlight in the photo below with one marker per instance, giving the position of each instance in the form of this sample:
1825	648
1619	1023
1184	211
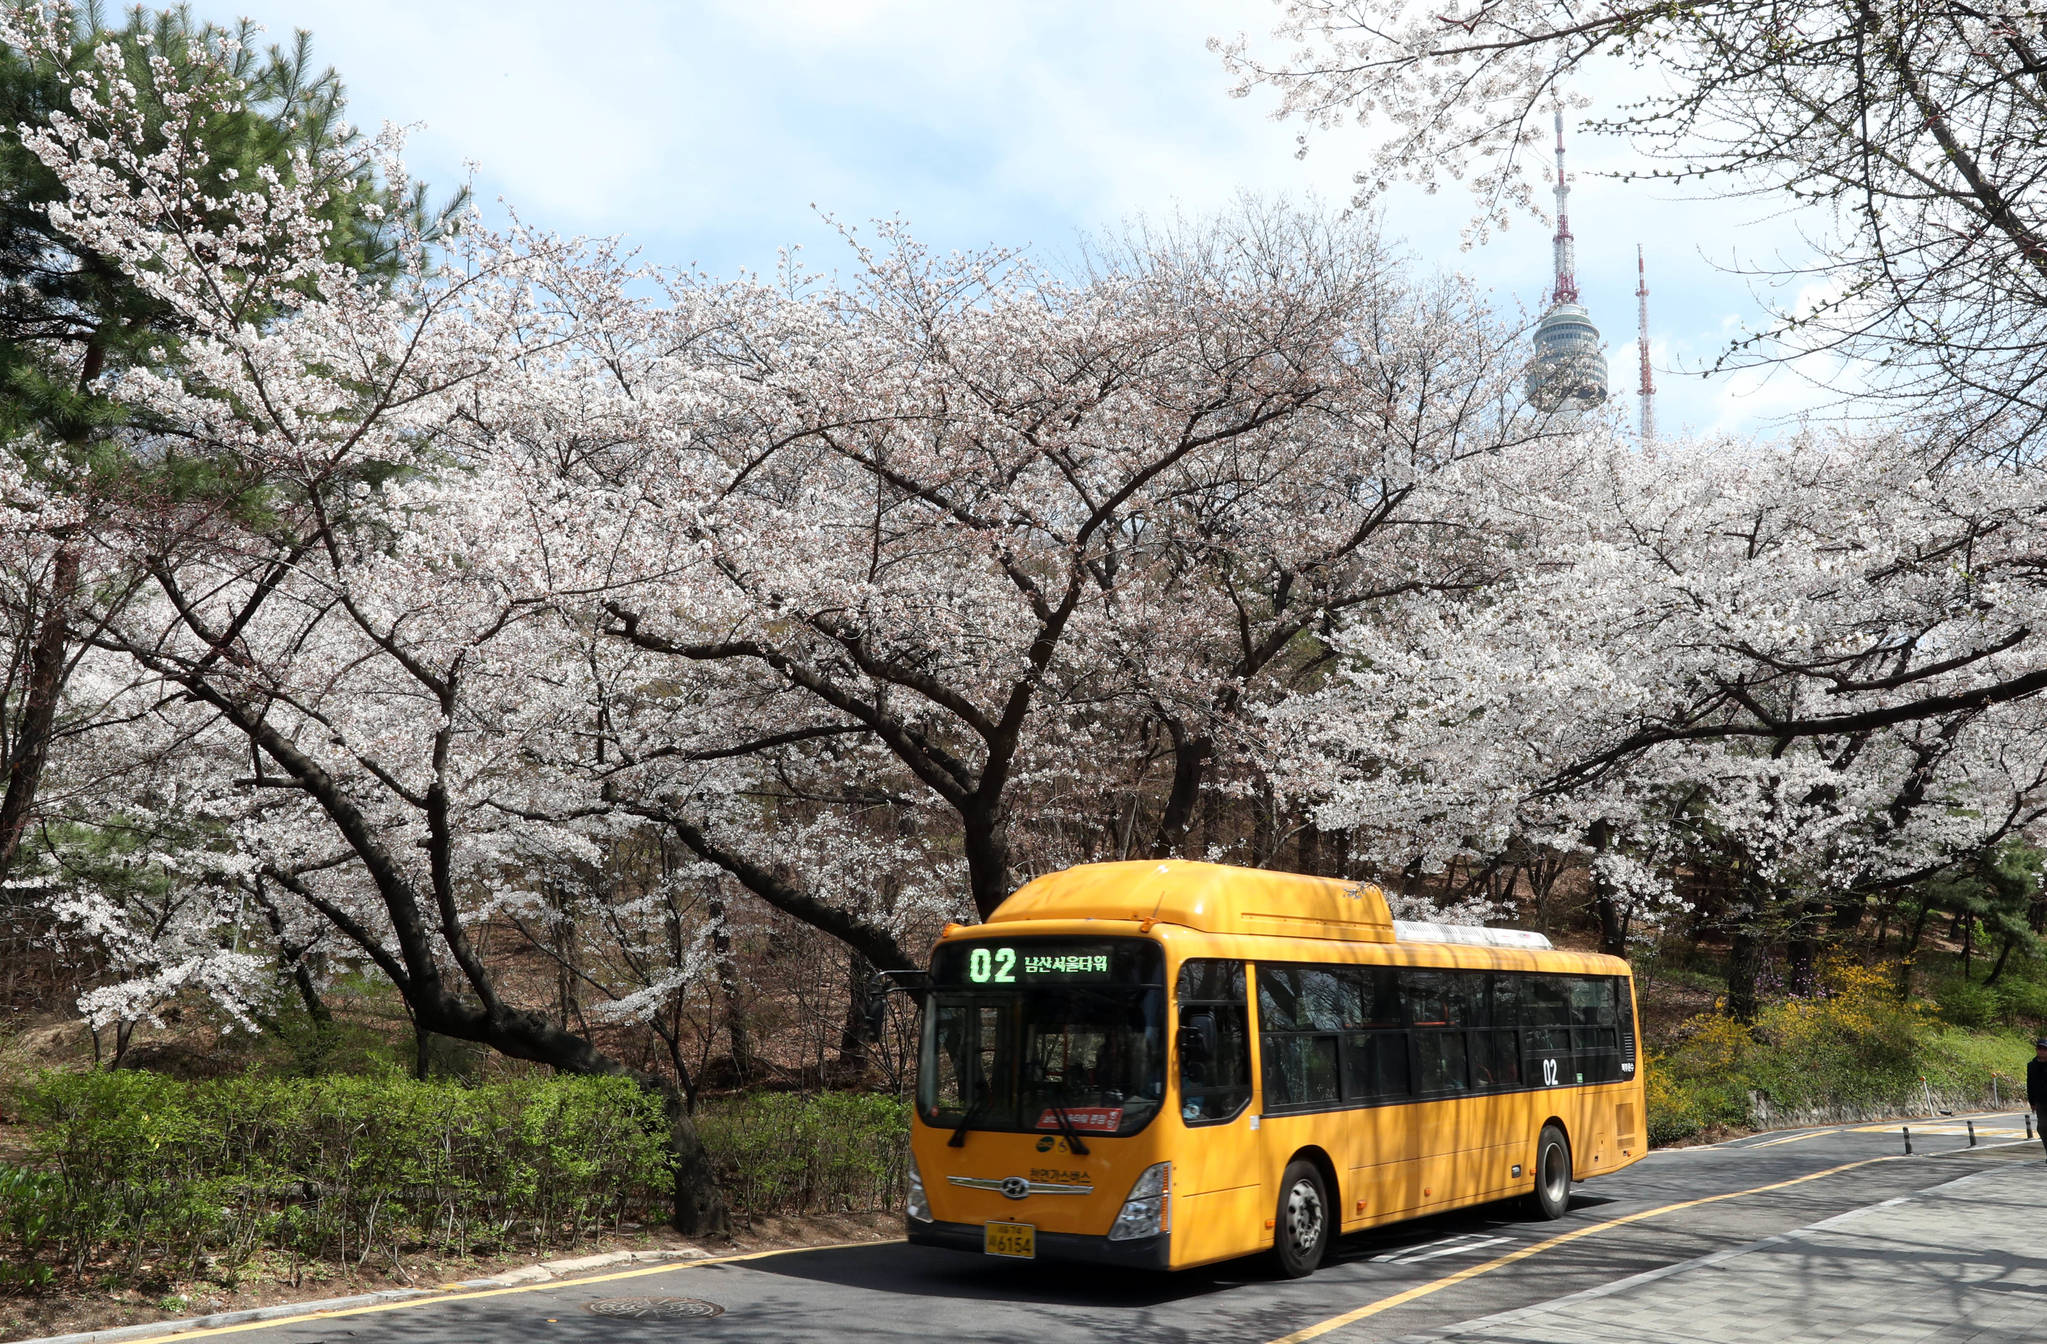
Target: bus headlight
914	1203
1148	1210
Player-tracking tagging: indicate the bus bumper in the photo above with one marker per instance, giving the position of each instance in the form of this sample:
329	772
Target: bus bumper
1153	1252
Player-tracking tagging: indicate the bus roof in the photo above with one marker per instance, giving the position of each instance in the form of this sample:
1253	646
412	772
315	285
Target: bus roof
1212	897
1220	898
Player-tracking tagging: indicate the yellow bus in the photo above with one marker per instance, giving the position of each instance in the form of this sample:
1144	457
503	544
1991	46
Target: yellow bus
1167	1064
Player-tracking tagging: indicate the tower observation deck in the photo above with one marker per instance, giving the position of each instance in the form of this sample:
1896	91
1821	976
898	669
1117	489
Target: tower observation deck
1568	371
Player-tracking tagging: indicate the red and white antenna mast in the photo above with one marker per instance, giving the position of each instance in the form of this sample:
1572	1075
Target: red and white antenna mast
1567	265
1648	388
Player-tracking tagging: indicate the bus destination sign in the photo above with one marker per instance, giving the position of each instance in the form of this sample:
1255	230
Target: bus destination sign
998	963
1093	1119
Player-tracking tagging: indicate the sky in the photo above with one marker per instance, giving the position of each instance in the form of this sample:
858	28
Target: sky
713	133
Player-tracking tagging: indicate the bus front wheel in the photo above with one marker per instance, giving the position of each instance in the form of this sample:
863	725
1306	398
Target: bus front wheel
1301	1229
1552	1173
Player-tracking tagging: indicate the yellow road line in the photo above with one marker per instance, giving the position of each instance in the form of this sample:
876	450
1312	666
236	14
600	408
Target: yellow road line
1795	1138
1321	1328
440	1298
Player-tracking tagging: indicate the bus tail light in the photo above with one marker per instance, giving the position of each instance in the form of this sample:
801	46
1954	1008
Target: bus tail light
1149	1209
915	1204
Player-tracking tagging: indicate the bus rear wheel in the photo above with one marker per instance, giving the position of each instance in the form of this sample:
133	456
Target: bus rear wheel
1552	1174
1301	1228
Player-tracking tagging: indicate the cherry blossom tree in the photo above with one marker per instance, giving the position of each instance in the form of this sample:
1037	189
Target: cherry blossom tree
1716	658
977	556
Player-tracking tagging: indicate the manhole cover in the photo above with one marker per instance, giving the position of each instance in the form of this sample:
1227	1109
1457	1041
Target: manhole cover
655	1308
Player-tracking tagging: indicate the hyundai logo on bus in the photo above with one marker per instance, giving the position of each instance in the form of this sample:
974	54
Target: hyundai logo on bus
1016	1187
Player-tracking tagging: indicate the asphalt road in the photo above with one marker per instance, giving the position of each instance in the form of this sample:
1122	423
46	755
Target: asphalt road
1671	1207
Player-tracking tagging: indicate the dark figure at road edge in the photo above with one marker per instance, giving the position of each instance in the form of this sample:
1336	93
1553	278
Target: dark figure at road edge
2036	1085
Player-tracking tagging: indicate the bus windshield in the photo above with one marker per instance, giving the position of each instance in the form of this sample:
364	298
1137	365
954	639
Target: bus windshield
1044	1034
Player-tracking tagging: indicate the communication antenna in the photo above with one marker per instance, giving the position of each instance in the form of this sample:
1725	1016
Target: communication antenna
1648	388
1566	256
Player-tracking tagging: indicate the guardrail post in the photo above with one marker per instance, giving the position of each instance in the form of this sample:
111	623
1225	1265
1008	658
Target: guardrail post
1972	1132
1908	1140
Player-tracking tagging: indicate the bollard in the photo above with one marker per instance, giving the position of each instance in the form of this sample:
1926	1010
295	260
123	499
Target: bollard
1972	1132
1908	1140
2029	1124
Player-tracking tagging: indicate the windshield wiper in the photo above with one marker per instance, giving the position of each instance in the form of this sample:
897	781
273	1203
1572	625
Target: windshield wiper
1069	1130
959	1136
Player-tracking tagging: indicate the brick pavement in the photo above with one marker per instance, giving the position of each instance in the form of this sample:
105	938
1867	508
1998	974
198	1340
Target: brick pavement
1961	1263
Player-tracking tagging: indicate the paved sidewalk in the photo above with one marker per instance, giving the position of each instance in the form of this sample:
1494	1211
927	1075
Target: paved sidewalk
1966	1261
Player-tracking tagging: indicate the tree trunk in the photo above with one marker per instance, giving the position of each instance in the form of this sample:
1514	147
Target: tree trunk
987	850
1802	949
1918	930
1311	849
1744	959
2002	954
731	1009
45	683
1613	925
1176	822
700	1208
866	1005
1613	921
1264	825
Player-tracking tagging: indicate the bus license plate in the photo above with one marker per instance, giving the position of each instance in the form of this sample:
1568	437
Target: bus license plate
1017	1240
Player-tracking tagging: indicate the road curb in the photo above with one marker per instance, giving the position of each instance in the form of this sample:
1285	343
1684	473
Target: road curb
1520	1314
543	1272
1763	1137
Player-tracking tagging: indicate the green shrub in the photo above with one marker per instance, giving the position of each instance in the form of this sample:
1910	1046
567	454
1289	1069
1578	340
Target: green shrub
135	1166
1852	1045
1683	1108
1964	1003
2021	1000
780	1152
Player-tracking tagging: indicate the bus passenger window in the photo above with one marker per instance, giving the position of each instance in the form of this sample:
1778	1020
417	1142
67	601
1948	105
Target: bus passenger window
1303	998
1381	986
1213	1042
1299	1071
1331	1000
1546	1059
1375	1067
1510	992
1424	993
1464	997
1441	1056
1495	1060
1594	1033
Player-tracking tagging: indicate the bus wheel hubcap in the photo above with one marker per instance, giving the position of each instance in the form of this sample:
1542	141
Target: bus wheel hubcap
1303	1216
1553	1172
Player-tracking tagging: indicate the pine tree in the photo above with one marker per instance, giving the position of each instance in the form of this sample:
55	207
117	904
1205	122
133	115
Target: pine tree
71	321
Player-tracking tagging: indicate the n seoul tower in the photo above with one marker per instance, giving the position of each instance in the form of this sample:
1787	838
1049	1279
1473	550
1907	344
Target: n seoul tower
1568	372
1646	393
